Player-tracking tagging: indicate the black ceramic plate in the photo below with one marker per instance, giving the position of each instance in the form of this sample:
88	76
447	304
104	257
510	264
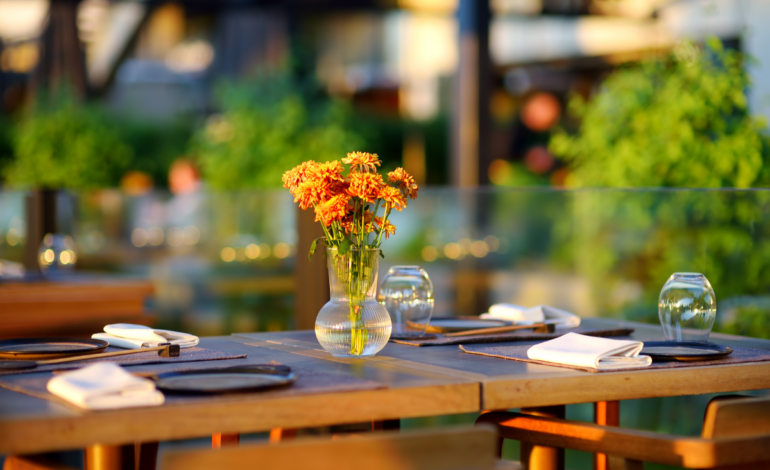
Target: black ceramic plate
49	348
230	379
684	350
412	336
449	325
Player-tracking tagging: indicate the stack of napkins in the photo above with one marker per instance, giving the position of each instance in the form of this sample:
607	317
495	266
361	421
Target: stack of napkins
562	319
590	352
105	385
129	336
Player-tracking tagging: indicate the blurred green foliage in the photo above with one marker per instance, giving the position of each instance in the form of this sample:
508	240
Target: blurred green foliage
61	144
627	243
266	127
155	145
677	121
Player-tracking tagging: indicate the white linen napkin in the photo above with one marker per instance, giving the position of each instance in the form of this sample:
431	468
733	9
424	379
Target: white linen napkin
130	336
562	319
591	352
105	385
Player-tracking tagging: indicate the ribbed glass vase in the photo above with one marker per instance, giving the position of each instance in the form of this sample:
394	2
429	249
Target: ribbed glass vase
353	323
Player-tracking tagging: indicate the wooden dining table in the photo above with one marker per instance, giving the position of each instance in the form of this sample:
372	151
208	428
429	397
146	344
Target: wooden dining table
418	382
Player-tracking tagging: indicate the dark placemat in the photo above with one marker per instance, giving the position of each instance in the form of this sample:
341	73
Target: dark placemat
513	336
194	354
308	382
519	353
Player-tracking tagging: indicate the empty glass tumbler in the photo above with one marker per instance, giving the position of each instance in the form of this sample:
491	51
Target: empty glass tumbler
687	307
407	294
56	254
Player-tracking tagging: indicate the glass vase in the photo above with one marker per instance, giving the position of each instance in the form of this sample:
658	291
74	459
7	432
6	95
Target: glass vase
353	323
687	307
407	294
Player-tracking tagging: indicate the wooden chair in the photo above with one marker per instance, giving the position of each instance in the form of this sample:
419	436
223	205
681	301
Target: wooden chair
735	435
462	448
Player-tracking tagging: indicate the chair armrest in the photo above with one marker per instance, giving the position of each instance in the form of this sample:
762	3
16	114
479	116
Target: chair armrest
688	452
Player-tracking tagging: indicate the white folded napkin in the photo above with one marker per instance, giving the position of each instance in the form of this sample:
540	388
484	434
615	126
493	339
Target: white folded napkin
590	352
129	336
528	315
105	385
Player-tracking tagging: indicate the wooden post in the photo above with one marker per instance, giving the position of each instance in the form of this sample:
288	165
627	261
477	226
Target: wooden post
41	219
62	59
606	413
542	457
311	277
471	121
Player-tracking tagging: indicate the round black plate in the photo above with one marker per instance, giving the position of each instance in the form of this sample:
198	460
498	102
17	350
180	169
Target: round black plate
230	379
49	348
452	324
684	350
412	336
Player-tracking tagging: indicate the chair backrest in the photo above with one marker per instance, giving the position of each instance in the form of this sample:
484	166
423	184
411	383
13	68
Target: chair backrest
461	448
737	417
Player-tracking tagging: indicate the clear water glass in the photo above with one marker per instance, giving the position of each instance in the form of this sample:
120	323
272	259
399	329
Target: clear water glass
407	294
687	307
56	254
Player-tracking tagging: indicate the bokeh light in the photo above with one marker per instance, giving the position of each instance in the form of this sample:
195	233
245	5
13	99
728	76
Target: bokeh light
227	254
541	112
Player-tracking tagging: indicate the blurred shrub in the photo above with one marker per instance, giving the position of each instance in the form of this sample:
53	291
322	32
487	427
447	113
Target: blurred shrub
679	121
266	127
63	144
156	145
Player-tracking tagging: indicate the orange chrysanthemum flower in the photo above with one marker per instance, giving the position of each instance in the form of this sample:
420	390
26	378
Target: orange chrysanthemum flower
313	183
298	174
393	197
308	194
385	225
365	186
362	161
405	181
332	210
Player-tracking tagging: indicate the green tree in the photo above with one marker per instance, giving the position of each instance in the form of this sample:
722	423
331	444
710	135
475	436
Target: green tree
677	121
267	127
65	145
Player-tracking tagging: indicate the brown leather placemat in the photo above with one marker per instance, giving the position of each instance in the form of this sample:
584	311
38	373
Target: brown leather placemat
512	336
194	354
519	353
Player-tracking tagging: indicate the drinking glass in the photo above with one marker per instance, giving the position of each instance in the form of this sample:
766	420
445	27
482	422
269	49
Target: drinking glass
407	294
56	254
687	307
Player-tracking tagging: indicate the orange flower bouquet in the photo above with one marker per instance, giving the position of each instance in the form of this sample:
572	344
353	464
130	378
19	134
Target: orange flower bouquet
353	210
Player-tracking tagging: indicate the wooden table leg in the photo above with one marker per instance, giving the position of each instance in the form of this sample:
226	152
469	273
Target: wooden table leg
541	457
281	434
606	413
386	425
223	440
103	457
146	454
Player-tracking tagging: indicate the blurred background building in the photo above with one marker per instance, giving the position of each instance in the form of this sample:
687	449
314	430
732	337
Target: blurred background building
154	133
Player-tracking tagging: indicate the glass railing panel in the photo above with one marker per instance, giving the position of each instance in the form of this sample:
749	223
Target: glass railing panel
224	262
